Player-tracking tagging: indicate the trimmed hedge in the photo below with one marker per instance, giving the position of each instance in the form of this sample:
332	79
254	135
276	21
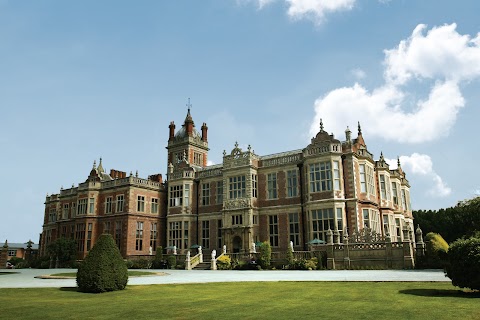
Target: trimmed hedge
464	263
103	269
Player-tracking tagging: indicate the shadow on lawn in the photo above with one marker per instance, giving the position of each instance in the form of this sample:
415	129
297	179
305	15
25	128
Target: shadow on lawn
69	289
441	293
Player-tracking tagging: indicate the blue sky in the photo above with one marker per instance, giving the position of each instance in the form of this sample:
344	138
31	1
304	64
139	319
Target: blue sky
90	79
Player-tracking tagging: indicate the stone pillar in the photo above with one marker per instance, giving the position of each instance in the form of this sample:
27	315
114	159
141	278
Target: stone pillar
346	251
188	265
388	252
4	256
330	251
200	253
419	245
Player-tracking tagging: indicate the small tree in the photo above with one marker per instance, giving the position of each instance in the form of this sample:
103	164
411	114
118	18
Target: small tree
103	269
265	256
65	250
158	262
436	250
290	259
463	265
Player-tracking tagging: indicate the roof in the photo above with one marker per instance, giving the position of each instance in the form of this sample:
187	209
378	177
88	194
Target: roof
14	245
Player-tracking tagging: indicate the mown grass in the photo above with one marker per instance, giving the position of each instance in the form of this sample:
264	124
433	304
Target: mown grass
248	300
131	273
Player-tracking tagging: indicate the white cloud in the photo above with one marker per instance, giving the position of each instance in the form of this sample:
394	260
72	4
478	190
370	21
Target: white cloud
314	10
359	74
421	165
441	55
210	163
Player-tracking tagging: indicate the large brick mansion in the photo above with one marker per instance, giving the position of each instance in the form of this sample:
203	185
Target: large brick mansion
293	196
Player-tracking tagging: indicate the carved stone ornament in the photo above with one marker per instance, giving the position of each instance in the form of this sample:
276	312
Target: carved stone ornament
236	204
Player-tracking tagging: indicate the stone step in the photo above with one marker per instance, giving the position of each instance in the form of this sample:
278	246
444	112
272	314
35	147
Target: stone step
203	266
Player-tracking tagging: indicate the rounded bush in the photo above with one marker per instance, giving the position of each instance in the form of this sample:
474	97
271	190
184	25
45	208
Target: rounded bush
436	250
464	263
224	263
103	269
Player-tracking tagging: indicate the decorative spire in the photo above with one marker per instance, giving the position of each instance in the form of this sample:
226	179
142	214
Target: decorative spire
136	174
100	167
189	105
94	164
348	135
398	162
321	125
236	144
359	129
189	116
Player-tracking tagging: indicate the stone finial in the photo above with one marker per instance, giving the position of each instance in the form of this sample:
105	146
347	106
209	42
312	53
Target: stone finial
249	148
359	129
419	234
398	162
73	185
321	125
29	244
6	244
224	152
131	174
136	173
236	144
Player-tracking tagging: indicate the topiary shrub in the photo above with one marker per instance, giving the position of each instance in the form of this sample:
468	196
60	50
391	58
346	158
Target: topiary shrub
436	251
172	261
463	265
158	262
265	256
103	269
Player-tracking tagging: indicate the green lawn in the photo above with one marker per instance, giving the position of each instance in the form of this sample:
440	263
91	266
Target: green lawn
248	300
130	274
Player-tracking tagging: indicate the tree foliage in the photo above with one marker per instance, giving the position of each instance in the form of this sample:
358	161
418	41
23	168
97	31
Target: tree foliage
63	249
461	221
436	250
265	256
103	269
464	263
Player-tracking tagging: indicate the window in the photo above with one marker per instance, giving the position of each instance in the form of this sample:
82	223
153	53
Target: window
394	193
82	206
120	201
205	194
237	220
12	252
65	211
74	209
154	205
386	229
398	228
140	203
255	219
197	158
273	230
176	196
404	200
371	220
370	180
407	200
292	183
363	180
64	232
108	205
153	236
336	175
219	192
52	216
272	185
384	187
322	220
72	232
186	195
91	208
254	185
219	233
340	221
206	234
139	236
80	237
89	237
118	234
294	228
320	177
178	234
236	187
106	227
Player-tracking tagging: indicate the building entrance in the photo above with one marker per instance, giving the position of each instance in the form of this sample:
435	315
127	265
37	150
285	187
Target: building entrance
237	244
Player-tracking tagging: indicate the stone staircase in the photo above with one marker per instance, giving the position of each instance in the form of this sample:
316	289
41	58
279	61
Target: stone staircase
205	265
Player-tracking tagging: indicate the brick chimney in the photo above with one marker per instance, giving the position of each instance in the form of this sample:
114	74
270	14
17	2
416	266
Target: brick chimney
172	131
204	132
